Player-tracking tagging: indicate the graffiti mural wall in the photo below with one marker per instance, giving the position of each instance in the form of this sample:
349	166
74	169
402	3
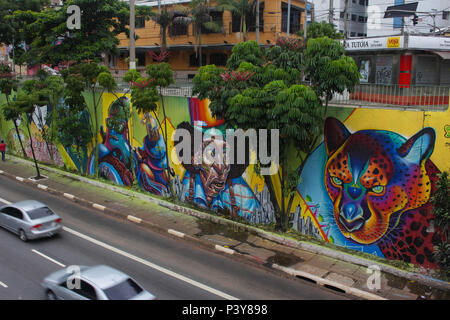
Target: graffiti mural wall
367	186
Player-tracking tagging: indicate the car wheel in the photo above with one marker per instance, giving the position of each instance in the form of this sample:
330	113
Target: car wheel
22	235
50	295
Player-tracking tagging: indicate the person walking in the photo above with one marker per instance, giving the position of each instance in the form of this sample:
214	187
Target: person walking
2	149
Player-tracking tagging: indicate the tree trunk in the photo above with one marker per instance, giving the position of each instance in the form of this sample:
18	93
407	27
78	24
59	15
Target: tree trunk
95	135
20	139
38	176
200	62
17	132
257	21
273	198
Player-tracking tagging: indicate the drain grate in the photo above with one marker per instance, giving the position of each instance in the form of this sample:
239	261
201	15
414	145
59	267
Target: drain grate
306	279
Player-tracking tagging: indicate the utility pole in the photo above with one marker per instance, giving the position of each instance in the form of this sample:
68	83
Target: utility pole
331	12
345	21
304	25
132	38
312	12
288	18
257	21
433	15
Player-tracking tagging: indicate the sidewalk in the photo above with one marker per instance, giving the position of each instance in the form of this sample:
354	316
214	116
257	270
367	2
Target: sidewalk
331	268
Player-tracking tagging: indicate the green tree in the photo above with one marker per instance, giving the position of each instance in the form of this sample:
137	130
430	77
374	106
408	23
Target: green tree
262	91
162	75
164	19
10	30
322	29
199	16
441	210
96	80
145	94
51	42
50	90
329	69
73	121
25	103
8	85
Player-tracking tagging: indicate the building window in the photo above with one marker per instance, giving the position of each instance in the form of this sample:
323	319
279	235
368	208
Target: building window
140	56
362	2
352	34
294	22
353	17
194	60
178	30
360	34
219	59
217	18
341	15
445	15
360	19
139	22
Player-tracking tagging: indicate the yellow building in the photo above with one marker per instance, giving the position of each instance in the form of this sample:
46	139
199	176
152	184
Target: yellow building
216	47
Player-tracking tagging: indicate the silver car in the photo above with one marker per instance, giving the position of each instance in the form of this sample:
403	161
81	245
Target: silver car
30	219
93	283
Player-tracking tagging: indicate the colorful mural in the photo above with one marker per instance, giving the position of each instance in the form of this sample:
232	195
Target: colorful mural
367	185
368	188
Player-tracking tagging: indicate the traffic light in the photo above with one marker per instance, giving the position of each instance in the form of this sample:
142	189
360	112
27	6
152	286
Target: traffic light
415	20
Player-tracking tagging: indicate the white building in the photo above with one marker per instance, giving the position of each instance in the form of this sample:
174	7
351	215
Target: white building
357	16
365	17
432	14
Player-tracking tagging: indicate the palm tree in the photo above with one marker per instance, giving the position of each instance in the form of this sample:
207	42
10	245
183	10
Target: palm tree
164	20
199	16
240	8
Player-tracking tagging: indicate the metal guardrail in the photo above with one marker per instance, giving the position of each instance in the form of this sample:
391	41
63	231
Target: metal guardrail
424	97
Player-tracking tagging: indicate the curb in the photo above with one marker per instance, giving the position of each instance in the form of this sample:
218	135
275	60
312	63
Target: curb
425	280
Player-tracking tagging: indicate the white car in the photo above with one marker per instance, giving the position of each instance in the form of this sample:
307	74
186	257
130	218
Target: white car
30	219
93	283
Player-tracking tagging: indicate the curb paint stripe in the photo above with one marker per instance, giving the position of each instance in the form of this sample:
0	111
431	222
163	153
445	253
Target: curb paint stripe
68	195
134	219
176	233
223	249
99	206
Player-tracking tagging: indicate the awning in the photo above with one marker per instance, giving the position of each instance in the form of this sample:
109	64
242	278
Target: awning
444	54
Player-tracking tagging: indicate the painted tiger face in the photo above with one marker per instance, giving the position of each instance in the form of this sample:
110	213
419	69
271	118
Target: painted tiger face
373	176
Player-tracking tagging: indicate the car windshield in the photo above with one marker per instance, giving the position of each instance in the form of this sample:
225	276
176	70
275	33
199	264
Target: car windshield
123	291
40	213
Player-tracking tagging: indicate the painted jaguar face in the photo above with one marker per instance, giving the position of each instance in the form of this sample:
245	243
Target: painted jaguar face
373	176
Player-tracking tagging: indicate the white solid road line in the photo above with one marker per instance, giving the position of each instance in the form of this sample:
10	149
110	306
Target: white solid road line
3	285
137	259
48	258
151	265
5	201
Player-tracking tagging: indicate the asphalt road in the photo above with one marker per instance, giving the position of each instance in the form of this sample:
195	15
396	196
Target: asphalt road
170	268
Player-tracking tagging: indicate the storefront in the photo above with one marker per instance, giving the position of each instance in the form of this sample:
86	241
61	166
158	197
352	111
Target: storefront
402	60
